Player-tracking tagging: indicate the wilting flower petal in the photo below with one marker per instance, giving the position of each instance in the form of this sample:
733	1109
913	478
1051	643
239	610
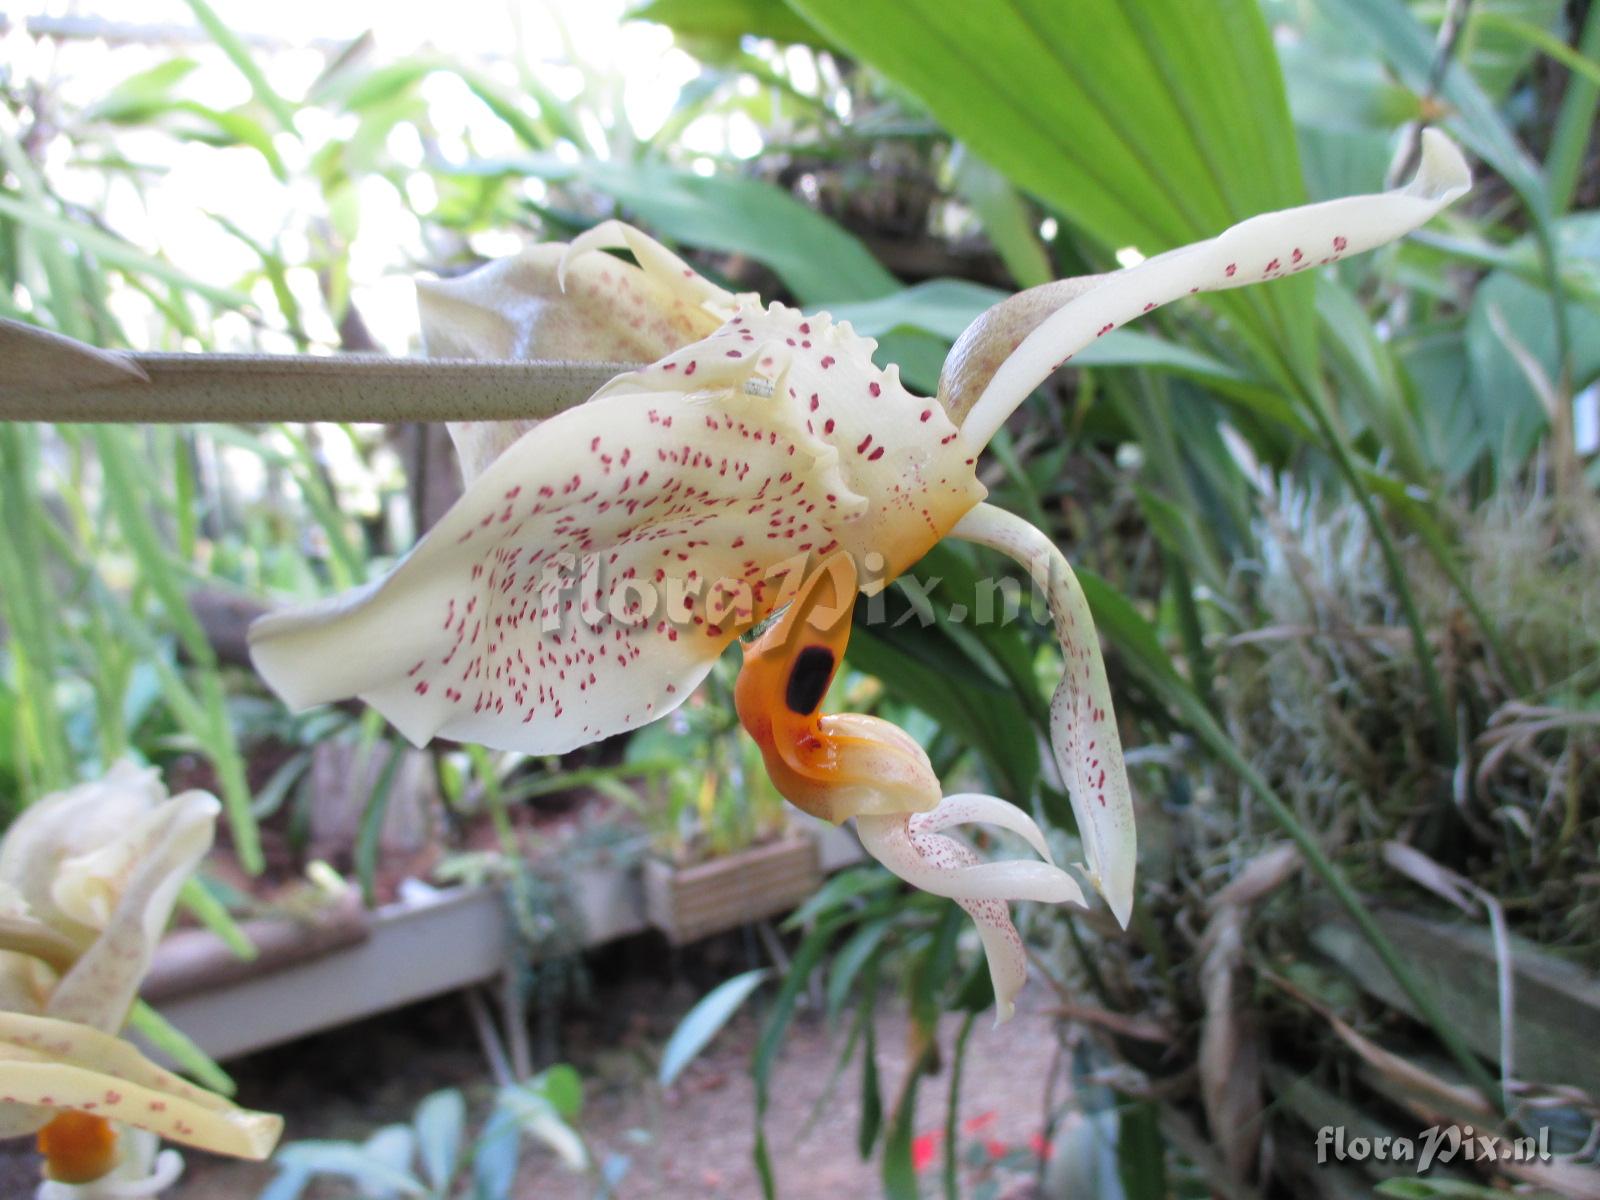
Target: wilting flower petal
49	1066
1083	727
101	865
562	303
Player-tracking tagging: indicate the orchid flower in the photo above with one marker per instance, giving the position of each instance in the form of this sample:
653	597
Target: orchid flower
88	880
851	765
596	567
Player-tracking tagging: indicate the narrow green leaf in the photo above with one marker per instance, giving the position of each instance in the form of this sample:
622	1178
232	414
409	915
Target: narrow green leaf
214	915
369	832
899	1175
1005	216
239	54
704	1021
176	1045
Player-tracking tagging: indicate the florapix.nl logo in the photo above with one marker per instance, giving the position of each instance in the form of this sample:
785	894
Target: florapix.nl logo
1436	1144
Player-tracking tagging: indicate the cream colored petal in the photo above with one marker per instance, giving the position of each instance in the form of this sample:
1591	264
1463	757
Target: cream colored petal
588	579
896	450
1083	727
1014	347
135	880
48	1065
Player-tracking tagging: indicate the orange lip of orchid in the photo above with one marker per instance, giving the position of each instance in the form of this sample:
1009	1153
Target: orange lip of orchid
836	766
853	765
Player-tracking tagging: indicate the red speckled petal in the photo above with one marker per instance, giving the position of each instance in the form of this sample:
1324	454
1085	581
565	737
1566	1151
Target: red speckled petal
1263	248
572	304
48	1065
1083	728
639	504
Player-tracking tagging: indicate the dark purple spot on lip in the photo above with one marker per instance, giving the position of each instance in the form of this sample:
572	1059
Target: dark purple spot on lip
808	680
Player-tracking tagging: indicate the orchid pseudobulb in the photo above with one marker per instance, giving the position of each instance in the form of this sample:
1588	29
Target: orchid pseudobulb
88	879
598	565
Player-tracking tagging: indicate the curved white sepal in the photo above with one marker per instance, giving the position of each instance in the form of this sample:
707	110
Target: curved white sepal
974	808
943	866
1083	728
1263	248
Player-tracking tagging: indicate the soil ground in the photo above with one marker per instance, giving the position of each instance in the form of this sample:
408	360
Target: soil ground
692	1142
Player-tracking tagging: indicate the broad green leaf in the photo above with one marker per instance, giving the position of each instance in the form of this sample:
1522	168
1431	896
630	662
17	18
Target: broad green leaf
729	20
1394	32
563	1087
1510	416
1501	38
395	1145
494	1159
440	1121
818	260
1149	123
704	1021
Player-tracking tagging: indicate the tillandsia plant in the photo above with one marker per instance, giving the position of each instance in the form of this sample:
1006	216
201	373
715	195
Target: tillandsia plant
88	879
599	564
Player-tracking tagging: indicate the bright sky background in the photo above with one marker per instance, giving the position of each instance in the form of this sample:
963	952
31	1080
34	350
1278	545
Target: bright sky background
628	74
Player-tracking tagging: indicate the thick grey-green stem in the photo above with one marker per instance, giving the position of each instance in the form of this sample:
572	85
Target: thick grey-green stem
47	377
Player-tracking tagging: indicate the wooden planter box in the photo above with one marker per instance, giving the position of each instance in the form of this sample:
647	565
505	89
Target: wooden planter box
689	903
349	964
